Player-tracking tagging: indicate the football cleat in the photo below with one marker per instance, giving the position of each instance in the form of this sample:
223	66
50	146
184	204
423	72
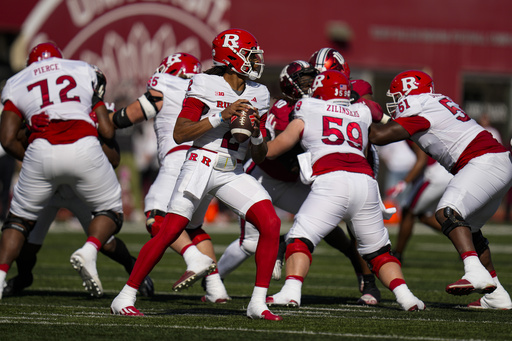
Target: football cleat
499	299
367	299
464	287
215	290
415	304
276	300
126	311
190	277
88	273
371	294
147	288
15	285
261	312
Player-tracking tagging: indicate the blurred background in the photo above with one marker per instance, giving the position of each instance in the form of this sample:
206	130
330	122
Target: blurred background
465	45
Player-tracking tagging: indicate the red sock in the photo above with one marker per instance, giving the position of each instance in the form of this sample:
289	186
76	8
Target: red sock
468	254
154	249
395	283
95	242
185	248
298	278
264	217
4	267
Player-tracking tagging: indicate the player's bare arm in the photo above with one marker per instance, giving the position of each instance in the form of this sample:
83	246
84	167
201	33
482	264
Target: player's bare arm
106	128
144	108
286	140
189	130
387	133
9	126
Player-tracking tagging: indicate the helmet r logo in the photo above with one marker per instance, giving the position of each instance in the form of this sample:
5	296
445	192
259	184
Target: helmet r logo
231	40
175	58
318	82
408	83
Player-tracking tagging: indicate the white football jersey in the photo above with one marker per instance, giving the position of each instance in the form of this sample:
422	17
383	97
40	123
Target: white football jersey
173	89
61	88
451	129
331	128
217	94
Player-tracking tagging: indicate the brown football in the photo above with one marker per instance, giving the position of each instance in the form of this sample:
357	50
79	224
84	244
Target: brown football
241	126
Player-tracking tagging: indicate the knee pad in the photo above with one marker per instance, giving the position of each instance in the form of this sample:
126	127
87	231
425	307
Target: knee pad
302	245
21	225
154	219
249	246
198	235
116	217
380	257
480	242
452	221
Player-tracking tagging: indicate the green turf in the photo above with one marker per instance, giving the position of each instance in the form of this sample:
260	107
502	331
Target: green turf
56	307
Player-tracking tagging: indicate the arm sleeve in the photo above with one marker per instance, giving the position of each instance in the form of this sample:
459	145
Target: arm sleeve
192	109
413	124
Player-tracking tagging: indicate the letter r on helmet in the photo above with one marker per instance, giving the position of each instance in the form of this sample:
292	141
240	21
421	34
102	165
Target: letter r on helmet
231	40
408	83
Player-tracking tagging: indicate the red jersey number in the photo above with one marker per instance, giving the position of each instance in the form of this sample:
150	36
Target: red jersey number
69	83
333	126
455	110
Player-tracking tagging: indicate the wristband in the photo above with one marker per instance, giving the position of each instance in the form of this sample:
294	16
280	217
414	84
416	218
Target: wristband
257	140
215	120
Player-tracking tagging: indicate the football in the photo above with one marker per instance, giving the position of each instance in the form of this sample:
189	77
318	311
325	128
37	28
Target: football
241	126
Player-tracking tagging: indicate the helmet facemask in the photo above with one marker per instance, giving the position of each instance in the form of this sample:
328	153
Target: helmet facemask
253	63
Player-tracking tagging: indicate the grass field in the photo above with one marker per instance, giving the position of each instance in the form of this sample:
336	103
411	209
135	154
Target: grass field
56	307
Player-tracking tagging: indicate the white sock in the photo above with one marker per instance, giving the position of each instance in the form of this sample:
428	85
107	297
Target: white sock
89	249
3	275
231	259
191	254
128	291
402	293
292	285
259	295
473	263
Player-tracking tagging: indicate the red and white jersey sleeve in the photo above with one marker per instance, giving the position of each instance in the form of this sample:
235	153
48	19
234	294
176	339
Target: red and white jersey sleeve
281	111
331	129
173	89
447	130
217	95
61	88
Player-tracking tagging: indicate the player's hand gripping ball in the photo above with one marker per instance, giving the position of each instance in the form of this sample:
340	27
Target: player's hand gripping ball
242	126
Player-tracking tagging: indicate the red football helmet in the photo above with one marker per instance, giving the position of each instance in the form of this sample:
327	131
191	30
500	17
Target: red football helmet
329	59
43	51
411	82
296	79
182	65
239	50
332	84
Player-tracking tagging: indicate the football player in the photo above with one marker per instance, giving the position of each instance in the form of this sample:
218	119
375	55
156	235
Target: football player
214	164
280	177
55	97
162	101
464	148
334	134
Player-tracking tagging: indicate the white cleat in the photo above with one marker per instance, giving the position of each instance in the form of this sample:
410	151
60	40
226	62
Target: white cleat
87	270
124	306
260	311
283	300
499	299
412	304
